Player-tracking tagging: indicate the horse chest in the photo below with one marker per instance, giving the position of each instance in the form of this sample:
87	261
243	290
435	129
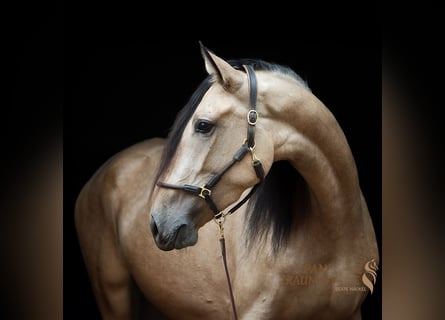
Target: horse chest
306	286
283	294
192	284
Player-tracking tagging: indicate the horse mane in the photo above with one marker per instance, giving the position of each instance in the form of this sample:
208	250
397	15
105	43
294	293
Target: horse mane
181	120
283	189
279	203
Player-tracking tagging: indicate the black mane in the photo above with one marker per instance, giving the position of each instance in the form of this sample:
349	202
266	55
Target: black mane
271	207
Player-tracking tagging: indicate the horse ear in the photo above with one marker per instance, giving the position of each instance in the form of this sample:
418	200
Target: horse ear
230	78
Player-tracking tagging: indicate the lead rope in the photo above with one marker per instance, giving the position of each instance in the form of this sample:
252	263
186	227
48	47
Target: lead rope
220	222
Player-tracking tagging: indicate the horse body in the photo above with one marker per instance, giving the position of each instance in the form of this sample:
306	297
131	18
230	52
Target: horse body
317	272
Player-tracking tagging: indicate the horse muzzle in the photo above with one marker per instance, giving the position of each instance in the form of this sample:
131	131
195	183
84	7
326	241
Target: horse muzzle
174	235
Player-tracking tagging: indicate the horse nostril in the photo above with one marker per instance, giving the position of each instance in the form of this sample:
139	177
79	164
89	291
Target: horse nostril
153	227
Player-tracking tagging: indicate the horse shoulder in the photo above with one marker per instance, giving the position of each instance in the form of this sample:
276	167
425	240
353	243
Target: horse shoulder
99	206
119	179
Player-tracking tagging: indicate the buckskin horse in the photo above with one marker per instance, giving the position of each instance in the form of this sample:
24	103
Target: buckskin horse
255	151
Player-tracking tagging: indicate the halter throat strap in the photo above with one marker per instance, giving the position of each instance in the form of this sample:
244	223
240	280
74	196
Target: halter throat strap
205	191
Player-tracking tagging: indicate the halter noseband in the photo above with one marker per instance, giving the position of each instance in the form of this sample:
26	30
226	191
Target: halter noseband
205	191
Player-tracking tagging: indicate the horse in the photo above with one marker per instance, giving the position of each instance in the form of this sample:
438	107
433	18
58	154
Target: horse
255	151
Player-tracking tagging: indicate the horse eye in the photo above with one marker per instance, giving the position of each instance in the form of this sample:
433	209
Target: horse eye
203	126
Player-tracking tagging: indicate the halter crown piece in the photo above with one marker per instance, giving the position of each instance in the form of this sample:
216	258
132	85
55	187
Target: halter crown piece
205	191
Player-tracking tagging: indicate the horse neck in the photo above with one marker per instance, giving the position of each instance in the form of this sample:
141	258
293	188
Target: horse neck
310	138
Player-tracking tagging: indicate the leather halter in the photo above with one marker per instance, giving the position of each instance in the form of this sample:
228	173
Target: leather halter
205	191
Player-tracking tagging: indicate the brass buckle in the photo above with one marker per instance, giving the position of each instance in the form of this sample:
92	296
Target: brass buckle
220	218
204	192
252	123
254	157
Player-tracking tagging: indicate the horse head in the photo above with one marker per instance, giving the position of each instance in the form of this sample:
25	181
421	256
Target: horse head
217	150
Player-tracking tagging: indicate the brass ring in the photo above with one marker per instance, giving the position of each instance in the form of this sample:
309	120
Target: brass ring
252	123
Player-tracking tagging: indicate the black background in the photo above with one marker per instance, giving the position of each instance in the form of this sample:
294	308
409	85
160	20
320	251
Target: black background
70	59
125	80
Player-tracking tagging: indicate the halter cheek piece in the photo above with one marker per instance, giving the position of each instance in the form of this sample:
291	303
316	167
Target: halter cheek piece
205	191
